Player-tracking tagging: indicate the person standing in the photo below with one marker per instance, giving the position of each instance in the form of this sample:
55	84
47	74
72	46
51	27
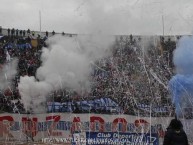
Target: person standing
8	31
53	32
24	33
175	134
20	32
12	32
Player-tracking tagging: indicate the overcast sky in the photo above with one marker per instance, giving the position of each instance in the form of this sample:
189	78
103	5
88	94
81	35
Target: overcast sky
103	16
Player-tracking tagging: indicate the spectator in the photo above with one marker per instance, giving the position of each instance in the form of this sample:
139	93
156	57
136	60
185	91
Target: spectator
46	33
28	31
8	31
12	31
20	32
24	33
175	135
53	32
17	32
131	38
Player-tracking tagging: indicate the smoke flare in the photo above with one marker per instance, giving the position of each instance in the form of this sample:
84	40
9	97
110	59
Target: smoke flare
181	85
66	63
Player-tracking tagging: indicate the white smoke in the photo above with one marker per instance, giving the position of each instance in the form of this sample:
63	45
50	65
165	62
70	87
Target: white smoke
7	73
66	63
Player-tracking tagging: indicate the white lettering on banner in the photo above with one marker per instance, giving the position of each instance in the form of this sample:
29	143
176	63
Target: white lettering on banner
57	140
117	135
110	141
63	125
103	135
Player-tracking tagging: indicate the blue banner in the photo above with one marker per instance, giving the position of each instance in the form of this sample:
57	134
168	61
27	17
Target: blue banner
19	46
105	104
113	138
157	109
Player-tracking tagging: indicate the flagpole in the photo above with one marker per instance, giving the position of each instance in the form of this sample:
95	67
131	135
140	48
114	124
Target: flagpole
40	19
163	24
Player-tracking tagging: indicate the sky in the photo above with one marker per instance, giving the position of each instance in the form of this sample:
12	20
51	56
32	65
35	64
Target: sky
120	17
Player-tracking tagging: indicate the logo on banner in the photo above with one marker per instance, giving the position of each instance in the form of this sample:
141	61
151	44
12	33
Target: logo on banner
141	126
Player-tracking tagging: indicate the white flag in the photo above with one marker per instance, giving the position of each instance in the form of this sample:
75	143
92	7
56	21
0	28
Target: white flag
8	57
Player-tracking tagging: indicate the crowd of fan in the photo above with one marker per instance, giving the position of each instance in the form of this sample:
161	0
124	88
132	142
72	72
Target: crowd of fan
18	45
133	75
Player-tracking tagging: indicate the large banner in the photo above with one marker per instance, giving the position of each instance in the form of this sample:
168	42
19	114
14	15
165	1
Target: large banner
46	127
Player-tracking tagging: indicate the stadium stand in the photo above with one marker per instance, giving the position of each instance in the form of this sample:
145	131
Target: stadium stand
123	85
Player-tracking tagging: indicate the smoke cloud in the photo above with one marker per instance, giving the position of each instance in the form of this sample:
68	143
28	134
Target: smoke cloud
66	63
181	85
183	59
7	73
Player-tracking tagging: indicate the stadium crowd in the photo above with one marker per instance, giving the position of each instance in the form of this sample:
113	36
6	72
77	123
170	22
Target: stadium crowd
135	75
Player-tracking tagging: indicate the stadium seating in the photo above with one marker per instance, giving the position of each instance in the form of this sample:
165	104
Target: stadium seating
129	81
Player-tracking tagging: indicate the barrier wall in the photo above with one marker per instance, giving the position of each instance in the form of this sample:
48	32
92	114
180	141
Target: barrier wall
42	127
